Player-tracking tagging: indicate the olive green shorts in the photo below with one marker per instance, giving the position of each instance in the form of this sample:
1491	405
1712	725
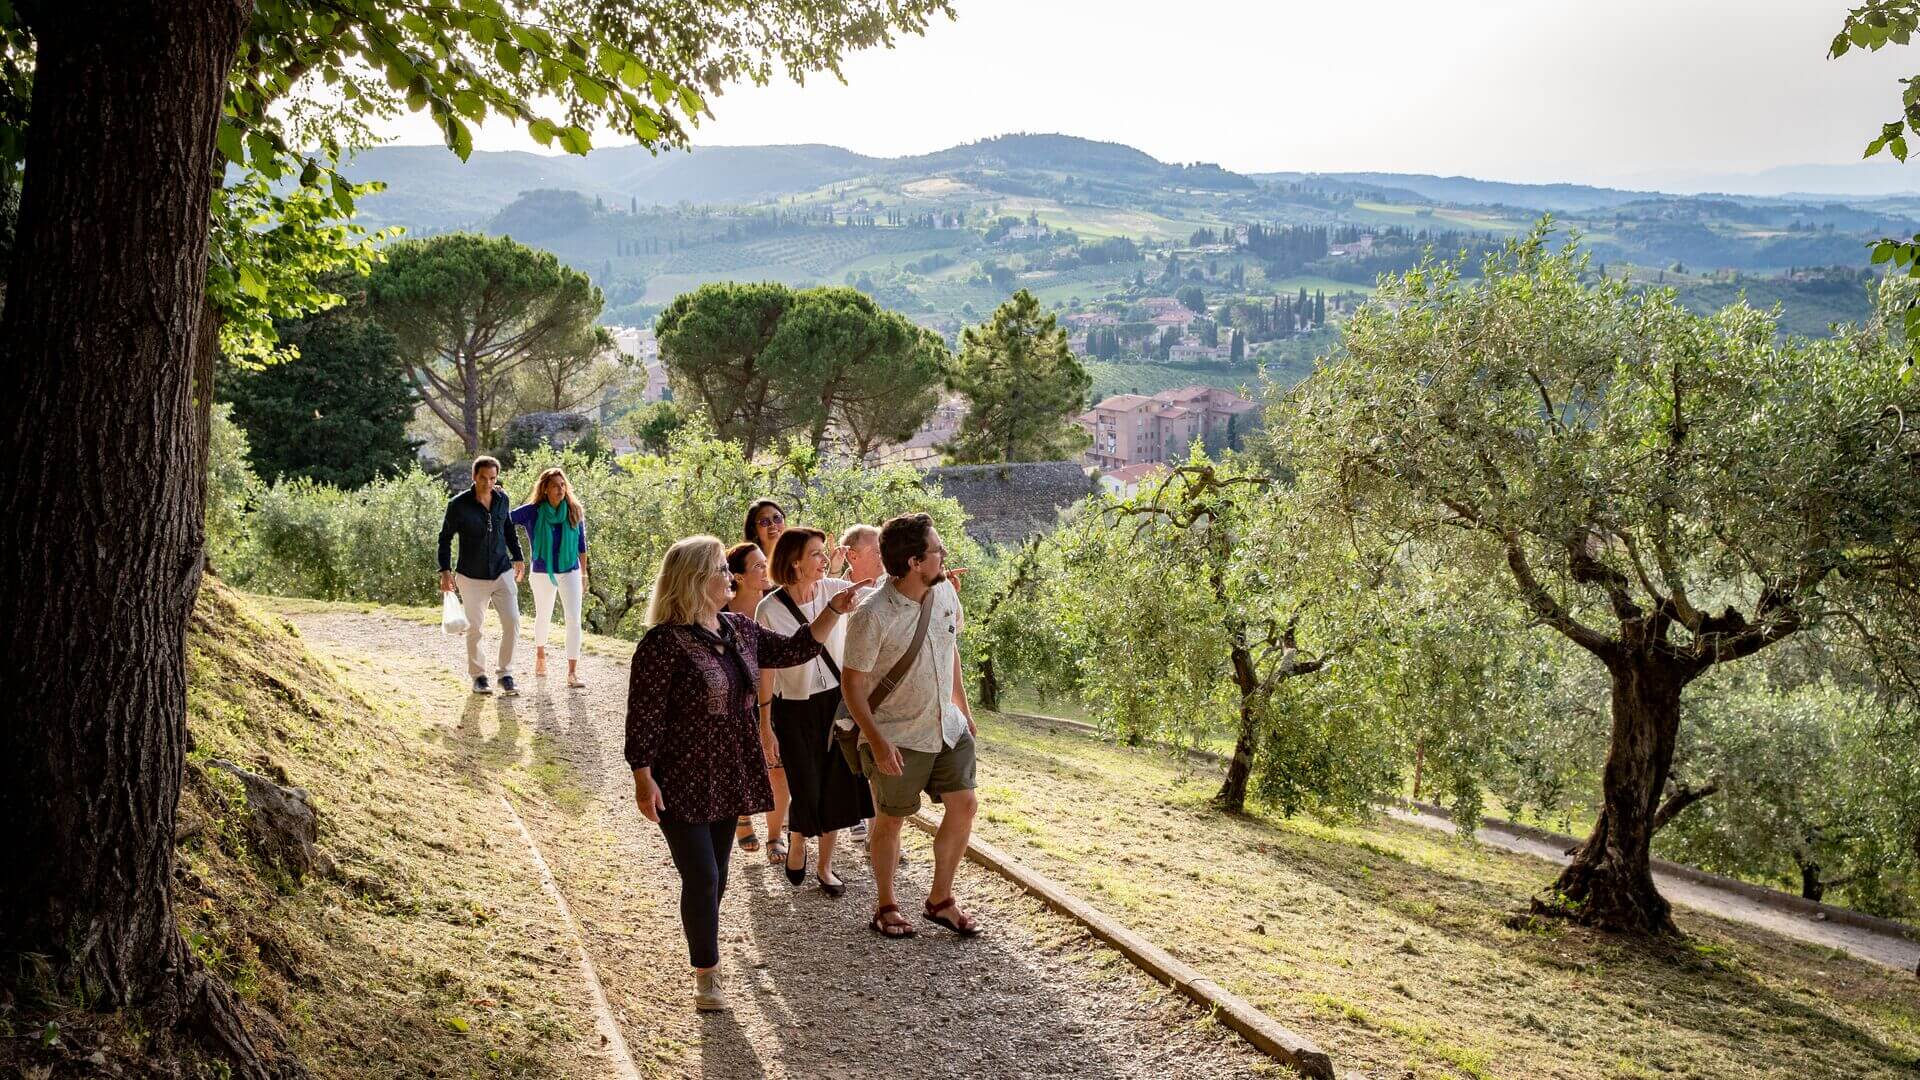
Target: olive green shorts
936	773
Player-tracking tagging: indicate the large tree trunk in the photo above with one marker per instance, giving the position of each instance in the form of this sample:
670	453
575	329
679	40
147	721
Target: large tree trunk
1232	796
1609	883
989	685
1811	885
103	477
470	408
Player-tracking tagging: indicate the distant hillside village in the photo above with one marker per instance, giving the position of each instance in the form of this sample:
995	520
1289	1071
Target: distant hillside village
1177	286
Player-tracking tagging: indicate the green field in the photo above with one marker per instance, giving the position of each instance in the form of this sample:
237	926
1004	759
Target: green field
1444	217
1087	283
1112	377
1316	284
662	288
1101	221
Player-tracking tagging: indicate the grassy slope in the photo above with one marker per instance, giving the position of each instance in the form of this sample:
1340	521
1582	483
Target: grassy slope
434	952
1389	943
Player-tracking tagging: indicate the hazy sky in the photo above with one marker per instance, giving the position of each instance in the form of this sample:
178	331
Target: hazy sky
1610	91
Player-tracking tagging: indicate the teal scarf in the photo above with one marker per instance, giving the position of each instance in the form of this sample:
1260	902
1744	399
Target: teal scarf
545	517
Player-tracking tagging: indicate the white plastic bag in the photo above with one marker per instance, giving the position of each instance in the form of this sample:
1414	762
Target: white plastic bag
453	616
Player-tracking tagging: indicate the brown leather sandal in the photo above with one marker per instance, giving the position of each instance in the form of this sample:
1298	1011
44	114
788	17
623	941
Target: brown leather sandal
879	924
969	929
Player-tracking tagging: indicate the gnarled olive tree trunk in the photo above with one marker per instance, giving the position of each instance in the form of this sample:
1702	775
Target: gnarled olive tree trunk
1609	883
1232	796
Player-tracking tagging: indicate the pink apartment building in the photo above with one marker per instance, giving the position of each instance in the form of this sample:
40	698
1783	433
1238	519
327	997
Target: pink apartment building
1131	429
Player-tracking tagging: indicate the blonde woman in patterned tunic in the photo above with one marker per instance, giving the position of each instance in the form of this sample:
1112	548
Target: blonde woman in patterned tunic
693	741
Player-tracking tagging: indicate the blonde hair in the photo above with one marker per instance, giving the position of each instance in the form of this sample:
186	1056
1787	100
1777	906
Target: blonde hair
857	535
678	593
576	513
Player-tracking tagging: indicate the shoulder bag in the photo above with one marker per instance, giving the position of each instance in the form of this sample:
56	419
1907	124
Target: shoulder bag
848	739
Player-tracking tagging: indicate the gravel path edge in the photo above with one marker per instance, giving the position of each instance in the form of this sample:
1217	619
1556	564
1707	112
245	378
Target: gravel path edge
1263	1032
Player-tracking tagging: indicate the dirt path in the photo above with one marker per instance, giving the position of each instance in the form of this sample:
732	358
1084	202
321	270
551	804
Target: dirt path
815	994
1891	950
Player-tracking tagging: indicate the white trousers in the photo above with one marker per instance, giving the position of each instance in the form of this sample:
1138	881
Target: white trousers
476	595
568	588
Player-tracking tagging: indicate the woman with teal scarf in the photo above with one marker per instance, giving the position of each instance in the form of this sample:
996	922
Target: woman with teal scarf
556	524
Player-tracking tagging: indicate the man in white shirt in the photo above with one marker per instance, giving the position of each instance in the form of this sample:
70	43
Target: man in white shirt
921	737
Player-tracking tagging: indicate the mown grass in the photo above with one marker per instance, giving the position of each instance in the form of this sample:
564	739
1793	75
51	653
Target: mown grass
1390	944
432	949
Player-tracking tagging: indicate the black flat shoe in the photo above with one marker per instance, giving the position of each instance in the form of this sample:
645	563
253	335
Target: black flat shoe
799	877
831	888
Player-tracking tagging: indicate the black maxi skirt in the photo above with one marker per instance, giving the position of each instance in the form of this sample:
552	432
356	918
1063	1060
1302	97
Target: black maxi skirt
827	796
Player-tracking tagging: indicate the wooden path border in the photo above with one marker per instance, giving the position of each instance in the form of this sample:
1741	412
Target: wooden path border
1268	1035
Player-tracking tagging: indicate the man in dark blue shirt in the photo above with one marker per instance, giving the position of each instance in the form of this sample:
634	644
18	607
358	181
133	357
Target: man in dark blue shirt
490	563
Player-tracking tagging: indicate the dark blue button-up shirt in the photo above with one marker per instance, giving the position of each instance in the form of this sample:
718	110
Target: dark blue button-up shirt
489	545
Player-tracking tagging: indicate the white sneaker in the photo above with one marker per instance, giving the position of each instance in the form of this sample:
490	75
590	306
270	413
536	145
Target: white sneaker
708	996
859	831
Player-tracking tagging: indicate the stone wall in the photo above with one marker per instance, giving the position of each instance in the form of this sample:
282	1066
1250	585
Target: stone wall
1005	504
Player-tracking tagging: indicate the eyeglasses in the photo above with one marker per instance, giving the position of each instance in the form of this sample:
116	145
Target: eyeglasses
769	522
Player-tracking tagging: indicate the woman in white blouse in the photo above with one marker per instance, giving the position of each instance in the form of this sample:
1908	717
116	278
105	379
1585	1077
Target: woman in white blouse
797	707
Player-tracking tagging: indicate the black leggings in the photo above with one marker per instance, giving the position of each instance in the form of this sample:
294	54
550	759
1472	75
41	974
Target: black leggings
700	852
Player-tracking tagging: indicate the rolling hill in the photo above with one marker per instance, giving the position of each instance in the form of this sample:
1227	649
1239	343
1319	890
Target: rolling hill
945	236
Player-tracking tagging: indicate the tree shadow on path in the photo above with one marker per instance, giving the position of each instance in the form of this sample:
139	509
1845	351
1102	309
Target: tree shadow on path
821	993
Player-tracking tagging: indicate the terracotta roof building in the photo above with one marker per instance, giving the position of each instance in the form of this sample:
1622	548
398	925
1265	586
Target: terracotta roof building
1124	483
1129	429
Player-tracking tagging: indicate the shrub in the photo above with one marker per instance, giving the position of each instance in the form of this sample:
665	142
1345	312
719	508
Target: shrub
377	543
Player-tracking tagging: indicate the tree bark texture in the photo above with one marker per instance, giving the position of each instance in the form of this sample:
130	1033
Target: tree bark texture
1609	883
470	406
989	685
1811	885
1232	796
105	323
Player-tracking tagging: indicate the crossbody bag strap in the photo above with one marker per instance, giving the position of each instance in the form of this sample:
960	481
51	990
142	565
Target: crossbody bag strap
801	618
907	658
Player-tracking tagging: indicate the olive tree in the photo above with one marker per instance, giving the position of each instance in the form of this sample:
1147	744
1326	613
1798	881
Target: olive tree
1007	621
1669	491
1190	614
1801	774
